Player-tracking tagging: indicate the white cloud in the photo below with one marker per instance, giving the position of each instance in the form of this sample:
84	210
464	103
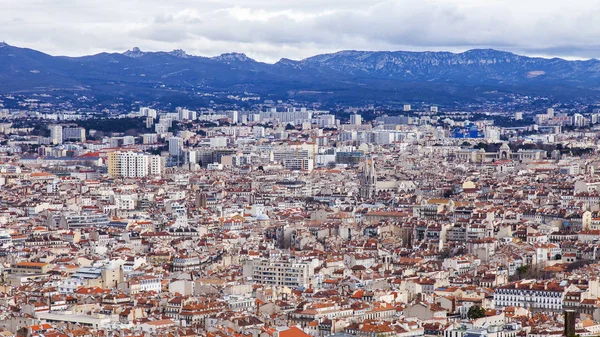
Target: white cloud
269	30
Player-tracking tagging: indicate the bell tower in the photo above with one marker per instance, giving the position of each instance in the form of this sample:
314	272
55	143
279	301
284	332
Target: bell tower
368	179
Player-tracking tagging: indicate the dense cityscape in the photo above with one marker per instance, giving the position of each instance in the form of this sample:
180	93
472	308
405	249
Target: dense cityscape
286	220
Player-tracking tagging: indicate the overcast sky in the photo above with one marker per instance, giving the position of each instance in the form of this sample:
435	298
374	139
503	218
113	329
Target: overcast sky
271	29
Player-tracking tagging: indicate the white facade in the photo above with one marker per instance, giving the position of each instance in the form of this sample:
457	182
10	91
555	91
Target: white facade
529	296
218	142
56	134
149	122
299	164
290	274
355	119
325	120
135	165
258	132
156	165
149	138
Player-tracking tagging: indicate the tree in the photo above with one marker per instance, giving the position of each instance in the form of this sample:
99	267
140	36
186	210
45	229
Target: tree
289	127
522	270
480	145
476	312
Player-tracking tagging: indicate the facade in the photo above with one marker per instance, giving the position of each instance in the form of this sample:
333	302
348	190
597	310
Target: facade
505	153
547	296
134	165
74	134
355	119
368	180
280	273
56	134
300	164
83	220
30	268
175	146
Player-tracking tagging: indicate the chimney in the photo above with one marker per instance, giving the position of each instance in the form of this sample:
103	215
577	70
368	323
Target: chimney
569	323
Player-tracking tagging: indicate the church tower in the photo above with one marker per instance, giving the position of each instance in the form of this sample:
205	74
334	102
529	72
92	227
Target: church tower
368	179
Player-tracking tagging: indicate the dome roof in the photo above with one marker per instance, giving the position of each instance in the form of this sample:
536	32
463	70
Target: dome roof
262	217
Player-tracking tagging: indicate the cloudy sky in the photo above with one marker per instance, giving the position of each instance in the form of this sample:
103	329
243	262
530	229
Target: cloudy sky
271	29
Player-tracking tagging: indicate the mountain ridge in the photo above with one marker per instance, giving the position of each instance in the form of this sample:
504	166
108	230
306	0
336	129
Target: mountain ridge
361	76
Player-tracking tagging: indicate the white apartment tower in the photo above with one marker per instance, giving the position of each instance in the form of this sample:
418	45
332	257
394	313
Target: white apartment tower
134	165
235	116
355	119
149	122
56	134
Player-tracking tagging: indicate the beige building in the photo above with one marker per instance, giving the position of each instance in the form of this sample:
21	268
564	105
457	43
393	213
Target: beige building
30	268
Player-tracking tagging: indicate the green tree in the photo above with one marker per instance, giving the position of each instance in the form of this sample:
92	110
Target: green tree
522	270
476	312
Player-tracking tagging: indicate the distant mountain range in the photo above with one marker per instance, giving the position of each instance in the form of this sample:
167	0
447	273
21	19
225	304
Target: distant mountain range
352	77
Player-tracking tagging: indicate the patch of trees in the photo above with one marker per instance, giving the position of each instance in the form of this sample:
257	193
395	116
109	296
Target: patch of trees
130	126
476	312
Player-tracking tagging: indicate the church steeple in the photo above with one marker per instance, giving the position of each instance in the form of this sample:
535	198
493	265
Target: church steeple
368	179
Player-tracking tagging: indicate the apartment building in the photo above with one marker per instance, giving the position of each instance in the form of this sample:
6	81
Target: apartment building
299	164
134	165
56	134
531	294
283	273
30	268
75	134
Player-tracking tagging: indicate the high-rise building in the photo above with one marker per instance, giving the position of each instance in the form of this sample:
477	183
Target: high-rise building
234	115
355	119
326	120
149	122
145	111
156	166
131	164
184	114
77	134
56	134
192	157
258	132
579	120
407	107
175	146
433	109
161	128
149	138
